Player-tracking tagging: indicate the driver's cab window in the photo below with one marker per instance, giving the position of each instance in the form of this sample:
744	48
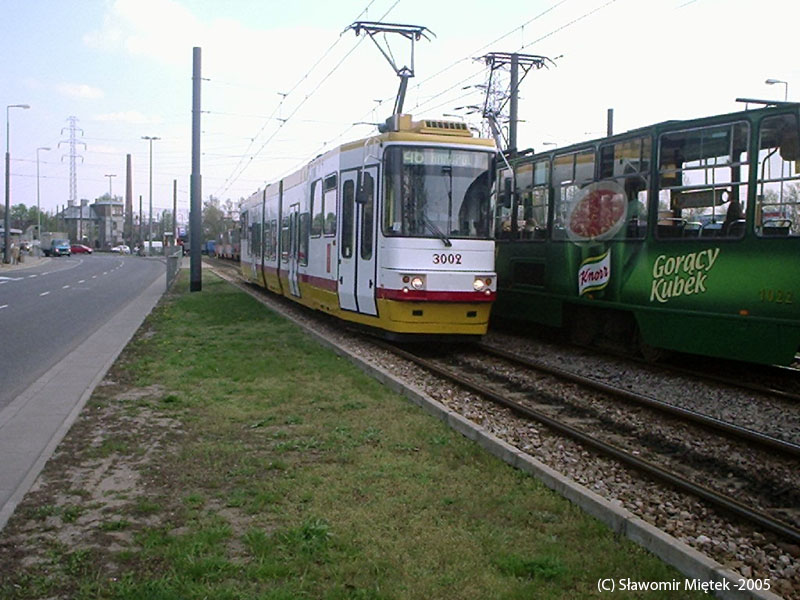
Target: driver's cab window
778	184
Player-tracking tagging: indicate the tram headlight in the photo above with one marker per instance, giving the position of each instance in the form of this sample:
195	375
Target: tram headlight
481	284
417	282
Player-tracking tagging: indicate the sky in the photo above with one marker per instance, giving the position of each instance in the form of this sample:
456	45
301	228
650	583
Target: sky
285	81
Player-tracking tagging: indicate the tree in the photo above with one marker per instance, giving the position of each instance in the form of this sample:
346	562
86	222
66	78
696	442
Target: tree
20	218
213	219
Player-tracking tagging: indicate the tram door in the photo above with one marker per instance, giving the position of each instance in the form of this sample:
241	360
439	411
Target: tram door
365	238
357	232
294	248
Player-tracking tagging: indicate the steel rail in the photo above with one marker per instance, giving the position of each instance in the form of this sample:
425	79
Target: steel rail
735	431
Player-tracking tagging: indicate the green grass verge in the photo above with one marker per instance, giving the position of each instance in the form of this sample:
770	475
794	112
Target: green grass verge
283	472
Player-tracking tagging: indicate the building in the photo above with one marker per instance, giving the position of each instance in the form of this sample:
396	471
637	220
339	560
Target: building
99	225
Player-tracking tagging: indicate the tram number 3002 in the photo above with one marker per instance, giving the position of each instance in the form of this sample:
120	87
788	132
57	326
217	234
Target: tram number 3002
446	258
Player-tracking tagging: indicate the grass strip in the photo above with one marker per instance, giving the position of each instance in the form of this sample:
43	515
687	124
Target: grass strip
228	456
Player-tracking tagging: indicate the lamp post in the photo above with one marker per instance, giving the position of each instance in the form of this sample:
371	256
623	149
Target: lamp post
150	218
38	206
771	81
7	216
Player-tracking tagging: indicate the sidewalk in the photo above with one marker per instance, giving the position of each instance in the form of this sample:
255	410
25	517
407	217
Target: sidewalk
28	261
35	422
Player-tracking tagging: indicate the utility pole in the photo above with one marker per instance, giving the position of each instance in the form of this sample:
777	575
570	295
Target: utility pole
491	111
38	206
174	212
128	228
141	239
7	215
195	191
150	139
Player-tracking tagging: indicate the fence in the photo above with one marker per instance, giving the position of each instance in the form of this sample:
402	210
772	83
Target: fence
174	259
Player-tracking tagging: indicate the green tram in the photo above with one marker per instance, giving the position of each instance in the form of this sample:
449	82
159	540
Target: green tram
684	235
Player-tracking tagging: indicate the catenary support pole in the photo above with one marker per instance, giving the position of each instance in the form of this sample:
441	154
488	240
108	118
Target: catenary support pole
195	200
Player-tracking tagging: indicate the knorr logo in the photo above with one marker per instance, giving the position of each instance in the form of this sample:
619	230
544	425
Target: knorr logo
682	275
594	273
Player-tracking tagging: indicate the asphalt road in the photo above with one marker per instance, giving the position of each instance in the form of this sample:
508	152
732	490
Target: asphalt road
46	311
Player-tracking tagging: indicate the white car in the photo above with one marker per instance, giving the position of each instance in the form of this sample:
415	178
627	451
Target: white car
122	249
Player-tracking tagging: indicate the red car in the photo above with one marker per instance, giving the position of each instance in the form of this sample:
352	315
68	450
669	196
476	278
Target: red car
80	248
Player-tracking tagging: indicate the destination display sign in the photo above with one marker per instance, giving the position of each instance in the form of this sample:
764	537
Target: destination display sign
444	158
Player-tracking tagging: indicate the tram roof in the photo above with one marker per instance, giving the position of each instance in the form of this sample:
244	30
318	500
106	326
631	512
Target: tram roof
747	114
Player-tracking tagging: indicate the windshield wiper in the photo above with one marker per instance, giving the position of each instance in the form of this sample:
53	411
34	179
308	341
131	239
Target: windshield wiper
436	231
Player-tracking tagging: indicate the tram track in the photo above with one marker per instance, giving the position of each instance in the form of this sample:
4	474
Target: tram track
765	441
778	381
562	419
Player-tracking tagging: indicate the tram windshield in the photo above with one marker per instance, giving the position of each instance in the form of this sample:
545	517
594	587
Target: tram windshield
437	192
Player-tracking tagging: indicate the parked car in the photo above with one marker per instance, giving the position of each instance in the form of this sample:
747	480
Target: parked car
80	249
122	249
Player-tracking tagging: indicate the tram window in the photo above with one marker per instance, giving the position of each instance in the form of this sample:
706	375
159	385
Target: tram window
303	233
502	218
316	208
329	199
628	164
348	204
570	173
702	193
267	239
273	239
246	227
778	184
367	213
531	201
285	239
256	239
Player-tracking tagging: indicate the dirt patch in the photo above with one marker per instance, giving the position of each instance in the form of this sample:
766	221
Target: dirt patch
90	495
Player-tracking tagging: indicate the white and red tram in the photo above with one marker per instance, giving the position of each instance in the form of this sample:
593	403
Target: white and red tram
392	232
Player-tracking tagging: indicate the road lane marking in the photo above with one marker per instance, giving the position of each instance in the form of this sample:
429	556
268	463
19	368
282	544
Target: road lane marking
3	306
63	287
82	281
44	293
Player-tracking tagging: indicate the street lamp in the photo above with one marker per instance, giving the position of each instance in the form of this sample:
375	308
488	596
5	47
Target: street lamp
38	207
7	216
150	218
771	81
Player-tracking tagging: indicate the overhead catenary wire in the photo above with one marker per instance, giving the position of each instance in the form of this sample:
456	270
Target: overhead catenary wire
469	57
427	104
242	166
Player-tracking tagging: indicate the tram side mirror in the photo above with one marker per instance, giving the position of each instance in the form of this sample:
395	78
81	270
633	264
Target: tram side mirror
790	147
